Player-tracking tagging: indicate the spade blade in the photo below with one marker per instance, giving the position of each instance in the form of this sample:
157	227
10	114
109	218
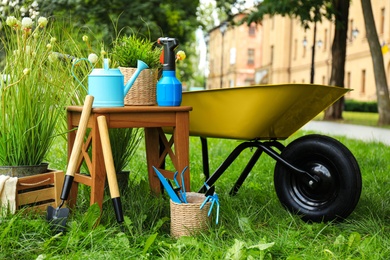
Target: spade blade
57	218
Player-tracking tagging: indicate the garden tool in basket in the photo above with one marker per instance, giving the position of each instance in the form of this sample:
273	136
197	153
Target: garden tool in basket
58	216
110	169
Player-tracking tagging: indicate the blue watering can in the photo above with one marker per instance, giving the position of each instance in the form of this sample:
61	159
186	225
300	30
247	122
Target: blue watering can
107	85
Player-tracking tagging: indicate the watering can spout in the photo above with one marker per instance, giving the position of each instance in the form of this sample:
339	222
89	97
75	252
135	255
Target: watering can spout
140	67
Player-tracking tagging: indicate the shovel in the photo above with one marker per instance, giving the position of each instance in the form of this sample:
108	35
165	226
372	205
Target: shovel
110	169
58	216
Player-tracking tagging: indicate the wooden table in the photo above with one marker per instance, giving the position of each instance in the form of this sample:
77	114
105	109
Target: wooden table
153	119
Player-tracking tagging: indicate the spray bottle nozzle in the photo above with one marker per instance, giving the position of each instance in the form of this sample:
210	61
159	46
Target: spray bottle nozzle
170	45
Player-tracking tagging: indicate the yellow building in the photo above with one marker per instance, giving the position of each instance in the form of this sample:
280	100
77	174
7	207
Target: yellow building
234	54
285	52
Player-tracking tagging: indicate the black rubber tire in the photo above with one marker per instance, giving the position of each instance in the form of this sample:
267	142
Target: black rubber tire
339	188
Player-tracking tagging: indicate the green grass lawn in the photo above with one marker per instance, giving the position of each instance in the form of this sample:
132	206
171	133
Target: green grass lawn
357	118
253	224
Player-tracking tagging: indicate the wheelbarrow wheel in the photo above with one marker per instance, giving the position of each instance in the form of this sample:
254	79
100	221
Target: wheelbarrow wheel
338	190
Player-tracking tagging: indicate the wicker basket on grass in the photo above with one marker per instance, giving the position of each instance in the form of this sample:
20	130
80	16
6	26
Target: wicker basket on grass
187	218
143	91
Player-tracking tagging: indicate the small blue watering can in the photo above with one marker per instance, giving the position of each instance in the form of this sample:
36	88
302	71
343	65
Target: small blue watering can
107	85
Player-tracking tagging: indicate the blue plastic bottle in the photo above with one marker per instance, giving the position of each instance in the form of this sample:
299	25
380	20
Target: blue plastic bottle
169	88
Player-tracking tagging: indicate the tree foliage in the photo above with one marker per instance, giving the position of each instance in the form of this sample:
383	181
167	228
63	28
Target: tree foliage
152	18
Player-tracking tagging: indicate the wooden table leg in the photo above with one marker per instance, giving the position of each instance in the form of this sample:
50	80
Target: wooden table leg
98	172
152	157
181	140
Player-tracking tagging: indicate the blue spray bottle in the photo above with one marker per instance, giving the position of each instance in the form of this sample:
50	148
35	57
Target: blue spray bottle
169	88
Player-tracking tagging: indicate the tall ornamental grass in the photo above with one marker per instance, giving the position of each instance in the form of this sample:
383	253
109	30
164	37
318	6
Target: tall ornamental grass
35	88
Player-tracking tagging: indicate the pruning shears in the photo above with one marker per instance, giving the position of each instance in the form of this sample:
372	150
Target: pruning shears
182	188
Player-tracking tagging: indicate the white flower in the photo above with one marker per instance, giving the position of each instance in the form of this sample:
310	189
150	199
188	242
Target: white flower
93	58
52	57
27	23
23	10
34	14
28	49
42	21
85	38
34	4
48	46
26	71
11	21
53	39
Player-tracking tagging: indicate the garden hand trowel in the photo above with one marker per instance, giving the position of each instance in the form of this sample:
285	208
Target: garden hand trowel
58	216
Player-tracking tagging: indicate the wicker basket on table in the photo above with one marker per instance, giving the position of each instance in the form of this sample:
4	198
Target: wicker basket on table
143	91
187	218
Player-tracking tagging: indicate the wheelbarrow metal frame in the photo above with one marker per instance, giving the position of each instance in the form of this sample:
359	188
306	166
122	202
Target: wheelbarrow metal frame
261	146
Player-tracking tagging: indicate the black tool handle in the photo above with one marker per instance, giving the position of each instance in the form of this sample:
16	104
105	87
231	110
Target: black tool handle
170	45
66	187
118	209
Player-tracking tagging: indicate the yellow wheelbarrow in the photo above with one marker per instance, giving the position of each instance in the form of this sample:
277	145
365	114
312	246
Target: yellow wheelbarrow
315	176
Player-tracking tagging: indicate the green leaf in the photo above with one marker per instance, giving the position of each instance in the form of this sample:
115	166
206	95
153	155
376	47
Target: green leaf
149	243
340	240
236	252
263	246
354	240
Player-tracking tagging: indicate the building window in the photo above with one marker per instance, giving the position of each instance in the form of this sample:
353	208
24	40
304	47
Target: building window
350	30
252	30
251	56
325	39
363	80
382	22
295	48
348	83
233	56
231	83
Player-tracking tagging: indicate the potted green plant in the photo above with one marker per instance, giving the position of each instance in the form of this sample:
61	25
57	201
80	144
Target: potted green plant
126	50
33	93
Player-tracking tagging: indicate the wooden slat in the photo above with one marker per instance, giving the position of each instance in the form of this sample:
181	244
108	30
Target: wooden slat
36	196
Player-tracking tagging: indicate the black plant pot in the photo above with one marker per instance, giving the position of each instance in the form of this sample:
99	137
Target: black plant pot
23	170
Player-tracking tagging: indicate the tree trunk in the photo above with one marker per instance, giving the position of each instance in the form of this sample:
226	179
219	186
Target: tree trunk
382	90
339	50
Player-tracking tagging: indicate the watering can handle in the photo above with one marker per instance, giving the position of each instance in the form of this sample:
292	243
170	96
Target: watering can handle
74	75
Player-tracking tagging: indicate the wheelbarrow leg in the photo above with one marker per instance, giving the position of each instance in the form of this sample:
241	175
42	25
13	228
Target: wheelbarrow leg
255	157
205	157
229	160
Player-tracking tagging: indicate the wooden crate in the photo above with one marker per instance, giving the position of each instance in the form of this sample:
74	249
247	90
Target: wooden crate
39	191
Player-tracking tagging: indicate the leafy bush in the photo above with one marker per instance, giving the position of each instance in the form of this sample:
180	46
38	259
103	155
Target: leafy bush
360	106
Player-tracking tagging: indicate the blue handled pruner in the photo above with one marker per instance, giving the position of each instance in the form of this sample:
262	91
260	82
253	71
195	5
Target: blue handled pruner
214	200
182	188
